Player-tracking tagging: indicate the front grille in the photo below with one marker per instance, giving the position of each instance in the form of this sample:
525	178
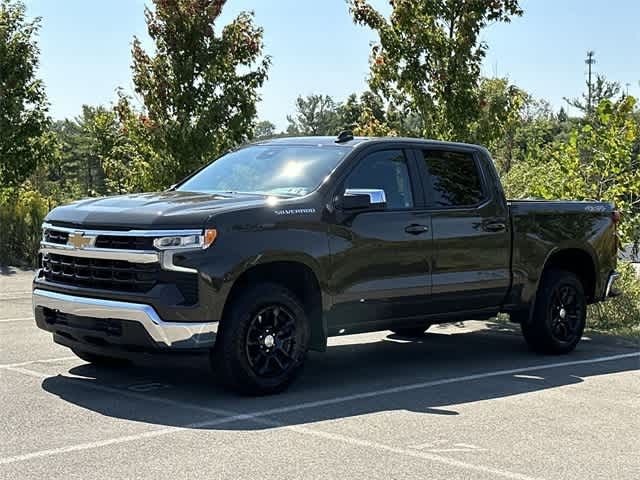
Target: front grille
98	273
121	242
56	236
117	275
116	242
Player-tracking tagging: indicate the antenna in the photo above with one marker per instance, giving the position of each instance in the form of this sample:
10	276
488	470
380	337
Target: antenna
344	136
589	61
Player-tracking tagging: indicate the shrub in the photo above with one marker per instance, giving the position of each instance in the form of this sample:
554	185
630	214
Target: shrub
21	215
621	314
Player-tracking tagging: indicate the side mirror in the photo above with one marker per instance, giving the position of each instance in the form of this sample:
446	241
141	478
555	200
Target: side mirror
362	198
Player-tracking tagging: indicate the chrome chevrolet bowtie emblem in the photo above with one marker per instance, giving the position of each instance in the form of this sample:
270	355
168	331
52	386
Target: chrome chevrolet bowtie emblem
79	241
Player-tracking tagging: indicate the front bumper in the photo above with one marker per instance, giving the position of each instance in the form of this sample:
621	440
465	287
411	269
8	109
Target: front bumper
94	323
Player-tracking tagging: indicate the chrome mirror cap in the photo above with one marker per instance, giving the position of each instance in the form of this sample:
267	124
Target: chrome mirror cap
376	195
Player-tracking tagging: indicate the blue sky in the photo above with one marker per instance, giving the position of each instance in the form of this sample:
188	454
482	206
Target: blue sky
85	46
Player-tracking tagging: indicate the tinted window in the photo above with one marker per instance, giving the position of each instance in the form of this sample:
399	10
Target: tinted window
268	169
386	170
455	180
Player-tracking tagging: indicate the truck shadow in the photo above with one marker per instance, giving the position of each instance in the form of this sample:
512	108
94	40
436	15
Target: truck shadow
437	360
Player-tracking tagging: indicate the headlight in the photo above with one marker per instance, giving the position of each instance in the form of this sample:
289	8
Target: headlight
186	241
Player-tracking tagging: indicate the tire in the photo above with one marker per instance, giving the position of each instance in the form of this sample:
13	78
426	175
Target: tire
411	331
559	315
263	341
100	360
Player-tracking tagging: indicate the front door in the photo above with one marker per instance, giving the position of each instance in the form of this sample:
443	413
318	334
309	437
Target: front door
380	259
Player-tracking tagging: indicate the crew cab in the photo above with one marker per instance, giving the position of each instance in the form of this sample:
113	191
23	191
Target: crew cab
269	250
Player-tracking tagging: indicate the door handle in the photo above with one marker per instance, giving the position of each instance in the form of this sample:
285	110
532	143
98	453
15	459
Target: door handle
416	229
494	227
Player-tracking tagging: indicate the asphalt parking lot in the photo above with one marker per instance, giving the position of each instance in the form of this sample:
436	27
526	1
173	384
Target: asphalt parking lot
462	402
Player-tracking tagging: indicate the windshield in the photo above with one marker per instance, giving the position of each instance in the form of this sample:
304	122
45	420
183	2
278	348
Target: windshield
289	171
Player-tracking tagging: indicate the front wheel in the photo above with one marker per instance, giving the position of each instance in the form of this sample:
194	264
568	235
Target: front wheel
559	315
263	341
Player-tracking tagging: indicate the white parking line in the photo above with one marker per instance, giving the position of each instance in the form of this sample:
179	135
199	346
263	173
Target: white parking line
32	362
15	296
19	319
444	381
234	417
257	416
452	462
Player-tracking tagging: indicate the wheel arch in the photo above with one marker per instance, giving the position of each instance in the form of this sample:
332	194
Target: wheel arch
295	275
577	260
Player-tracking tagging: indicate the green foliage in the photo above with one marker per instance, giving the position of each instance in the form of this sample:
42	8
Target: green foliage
21	215
25	140
134	164
512	124
85	144
314	115
200	86
599	161
429	56
500	114
263	130
620	315
601	89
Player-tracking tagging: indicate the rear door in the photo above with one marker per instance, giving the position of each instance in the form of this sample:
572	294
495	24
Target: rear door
380	259
471	238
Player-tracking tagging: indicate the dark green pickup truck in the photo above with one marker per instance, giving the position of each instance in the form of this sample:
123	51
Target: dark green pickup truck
266	252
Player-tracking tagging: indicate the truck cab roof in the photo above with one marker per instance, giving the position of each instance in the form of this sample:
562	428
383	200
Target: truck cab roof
357	141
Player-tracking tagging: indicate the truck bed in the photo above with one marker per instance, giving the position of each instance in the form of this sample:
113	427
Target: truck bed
542	227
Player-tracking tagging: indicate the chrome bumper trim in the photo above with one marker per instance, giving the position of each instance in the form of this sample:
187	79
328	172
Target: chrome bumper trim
609	291
167	334
134	256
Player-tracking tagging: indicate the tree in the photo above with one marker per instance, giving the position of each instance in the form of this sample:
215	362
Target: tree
601	90
500	114
264	129
25	139
315	115
428	58
349	113
599	161
360	114
200	86
85	144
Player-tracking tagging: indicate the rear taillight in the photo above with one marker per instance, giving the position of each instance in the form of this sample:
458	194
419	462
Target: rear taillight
616	216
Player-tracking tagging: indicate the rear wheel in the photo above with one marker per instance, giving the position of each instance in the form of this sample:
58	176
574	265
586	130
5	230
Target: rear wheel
263	341
559	315
100	360
411	331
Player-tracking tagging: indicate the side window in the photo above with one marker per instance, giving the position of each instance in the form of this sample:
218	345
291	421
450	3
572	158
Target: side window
386	170
455	179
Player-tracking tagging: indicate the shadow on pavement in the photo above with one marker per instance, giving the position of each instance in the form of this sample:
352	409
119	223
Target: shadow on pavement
345	370
4	270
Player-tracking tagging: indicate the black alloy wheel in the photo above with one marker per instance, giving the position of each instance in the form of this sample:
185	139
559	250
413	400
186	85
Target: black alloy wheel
271	341
262	341
566	313
559	314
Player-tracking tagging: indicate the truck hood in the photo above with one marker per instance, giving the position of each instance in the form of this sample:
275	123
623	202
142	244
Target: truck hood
169	209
